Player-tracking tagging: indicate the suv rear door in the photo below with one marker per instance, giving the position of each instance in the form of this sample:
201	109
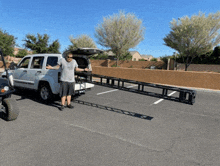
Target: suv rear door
53	74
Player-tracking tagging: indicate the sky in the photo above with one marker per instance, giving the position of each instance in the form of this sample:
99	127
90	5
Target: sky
62	18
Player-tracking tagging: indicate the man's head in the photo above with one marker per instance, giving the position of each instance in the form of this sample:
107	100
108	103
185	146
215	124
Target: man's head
69	57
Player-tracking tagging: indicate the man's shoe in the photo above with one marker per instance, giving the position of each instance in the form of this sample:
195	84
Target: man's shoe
70	106
61	108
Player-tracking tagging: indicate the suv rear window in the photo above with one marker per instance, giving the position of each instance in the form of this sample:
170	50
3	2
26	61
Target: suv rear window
37	63
52	61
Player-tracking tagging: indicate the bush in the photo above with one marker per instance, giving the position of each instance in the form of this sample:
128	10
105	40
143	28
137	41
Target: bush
21	54
142	60
154	59
114	65
99	56
165	59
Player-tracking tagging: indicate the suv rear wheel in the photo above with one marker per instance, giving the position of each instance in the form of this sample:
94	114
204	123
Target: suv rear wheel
45	92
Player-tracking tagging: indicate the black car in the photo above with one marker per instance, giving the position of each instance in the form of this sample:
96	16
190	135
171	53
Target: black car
8	108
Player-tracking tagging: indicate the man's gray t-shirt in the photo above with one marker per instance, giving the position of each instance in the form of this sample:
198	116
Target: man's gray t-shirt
68	70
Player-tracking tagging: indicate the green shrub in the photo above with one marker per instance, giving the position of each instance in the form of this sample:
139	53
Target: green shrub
142	60
154	59
114	65
21	53
99	56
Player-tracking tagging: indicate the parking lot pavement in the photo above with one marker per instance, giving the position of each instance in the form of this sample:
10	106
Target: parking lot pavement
102	129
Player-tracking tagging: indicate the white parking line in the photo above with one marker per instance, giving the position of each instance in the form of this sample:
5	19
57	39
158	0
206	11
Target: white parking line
113	90
107	92
158	101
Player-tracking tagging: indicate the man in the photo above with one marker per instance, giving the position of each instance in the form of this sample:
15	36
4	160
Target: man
67	84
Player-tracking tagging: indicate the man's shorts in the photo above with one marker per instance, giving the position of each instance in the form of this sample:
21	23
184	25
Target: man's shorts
67	88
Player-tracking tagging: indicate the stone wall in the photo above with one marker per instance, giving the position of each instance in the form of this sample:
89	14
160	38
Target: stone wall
129	64
199	67
167	77
2	65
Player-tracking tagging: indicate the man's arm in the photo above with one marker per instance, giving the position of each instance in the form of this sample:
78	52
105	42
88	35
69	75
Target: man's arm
79	69
55	67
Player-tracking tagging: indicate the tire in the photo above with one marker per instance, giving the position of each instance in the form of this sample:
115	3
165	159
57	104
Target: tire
45	93
11	109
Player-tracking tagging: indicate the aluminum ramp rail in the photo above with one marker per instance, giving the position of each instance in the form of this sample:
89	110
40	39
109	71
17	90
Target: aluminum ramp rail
185	95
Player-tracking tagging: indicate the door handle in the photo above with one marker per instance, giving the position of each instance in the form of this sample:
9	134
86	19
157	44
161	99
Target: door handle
37	73
25	71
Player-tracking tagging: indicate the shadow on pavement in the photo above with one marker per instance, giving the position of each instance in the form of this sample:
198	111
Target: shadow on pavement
116	110
2	115
33	95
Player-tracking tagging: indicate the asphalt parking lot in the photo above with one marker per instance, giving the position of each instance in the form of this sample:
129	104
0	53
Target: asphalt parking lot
102	129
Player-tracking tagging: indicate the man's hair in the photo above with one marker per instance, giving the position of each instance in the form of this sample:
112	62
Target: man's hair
68	53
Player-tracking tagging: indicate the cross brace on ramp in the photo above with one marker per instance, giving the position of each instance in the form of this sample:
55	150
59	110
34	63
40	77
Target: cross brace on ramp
185	95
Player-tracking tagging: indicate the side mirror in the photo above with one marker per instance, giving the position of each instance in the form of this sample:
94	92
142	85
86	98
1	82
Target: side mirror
13	66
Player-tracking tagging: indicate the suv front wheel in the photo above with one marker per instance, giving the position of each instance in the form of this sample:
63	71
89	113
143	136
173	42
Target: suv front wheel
45	92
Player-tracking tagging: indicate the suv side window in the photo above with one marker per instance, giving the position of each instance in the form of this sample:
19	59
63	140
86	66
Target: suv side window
52	61
37	63
24	63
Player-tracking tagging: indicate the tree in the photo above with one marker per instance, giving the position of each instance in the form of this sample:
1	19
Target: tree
7	43
165	59
211	57
126	56
82	41
120	32
194	36
21	53
216	55
40	44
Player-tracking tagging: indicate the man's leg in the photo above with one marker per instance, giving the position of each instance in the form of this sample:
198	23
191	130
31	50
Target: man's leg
63	100
69	100
70	93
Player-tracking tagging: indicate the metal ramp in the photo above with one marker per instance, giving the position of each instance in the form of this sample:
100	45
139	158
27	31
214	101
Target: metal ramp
185	95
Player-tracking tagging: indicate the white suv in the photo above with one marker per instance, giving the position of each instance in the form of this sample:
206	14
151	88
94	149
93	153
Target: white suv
31	72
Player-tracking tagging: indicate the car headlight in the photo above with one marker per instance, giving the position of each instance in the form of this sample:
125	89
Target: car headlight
5	89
